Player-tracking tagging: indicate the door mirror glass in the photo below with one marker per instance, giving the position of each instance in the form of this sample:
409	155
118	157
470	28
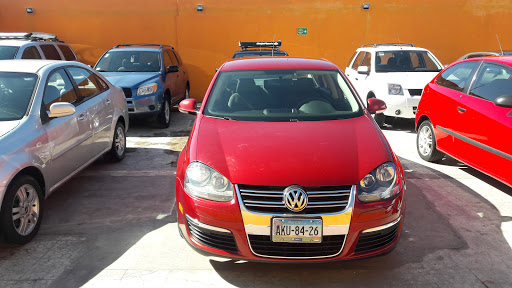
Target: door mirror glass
376	106
504	101
363	70
173	68
61	109
188	106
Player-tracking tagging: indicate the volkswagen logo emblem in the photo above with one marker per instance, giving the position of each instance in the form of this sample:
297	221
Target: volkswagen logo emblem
295	198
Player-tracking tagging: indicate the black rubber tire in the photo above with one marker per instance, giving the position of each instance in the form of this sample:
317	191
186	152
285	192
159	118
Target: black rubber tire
380	118
433	155
6	220
116	154
161	119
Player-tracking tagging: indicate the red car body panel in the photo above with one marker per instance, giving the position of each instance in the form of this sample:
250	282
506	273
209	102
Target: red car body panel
309	153
480	136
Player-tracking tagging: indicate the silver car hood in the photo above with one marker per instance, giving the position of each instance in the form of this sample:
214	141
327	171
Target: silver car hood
6	126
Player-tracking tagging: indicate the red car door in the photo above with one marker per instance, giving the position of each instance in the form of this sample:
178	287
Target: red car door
486	129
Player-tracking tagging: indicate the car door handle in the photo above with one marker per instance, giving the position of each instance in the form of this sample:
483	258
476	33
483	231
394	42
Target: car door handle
461	110
82	116
108	101
357	79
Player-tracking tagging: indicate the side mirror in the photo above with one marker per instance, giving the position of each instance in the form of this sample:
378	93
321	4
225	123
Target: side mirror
363	70
376	106
61	109
188	106
504	101
173	68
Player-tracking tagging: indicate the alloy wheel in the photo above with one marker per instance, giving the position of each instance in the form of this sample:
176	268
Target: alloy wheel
425	141
25	209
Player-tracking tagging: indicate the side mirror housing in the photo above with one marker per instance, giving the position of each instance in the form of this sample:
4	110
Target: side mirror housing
61	109
376	106
188	106
363	70
504	101
173	68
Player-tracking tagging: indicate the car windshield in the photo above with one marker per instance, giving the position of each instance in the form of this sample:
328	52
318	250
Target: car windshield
251	53
8	52
406	61
282	95
129	61
16	90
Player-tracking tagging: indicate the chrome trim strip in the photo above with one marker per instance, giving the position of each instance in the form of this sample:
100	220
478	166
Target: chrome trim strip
383	226
342	217
206	226
475	143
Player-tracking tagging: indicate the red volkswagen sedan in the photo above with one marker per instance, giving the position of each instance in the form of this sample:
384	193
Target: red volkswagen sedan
285	163
466	112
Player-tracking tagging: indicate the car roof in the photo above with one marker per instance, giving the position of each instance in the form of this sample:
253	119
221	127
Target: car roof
27	66
9	42
391	48
277	63
507	60
136	48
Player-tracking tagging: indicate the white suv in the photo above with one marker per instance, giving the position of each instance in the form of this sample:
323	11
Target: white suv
395	73
34	46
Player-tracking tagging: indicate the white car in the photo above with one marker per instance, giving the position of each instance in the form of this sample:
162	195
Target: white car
395	73
35	45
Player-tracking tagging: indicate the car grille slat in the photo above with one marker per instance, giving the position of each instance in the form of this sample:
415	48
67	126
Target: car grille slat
263	245
264	199
219	240
415	92
374	240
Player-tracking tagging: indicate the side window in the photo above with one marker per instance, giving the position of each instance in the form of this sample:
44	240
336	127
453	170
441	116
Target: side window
31	53
167	60
59	89
351	58
103	85
492	82
174	58
67	52
456	76
367	61
50	52
85	82
358	60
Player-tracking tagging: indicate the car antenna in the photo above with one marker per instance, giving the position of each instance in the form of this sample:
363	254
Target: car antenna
398	36
273	44
499	43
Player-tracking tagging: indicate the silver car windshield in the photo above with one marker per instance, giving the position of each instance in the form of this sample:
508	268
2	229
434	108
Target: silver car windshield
282	95
16	90
8	52
129	61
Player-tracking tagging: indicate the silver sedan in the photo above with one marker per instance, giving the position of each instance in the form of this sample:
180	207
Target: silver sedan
56	118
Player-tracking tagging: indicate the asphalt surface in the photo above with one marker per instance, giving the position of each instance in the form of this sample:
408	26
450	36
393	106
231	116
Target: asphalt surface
114	225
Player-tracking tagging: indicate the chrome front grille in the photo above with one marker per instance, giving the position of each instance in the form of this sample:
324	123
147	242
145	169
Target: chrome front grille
269	199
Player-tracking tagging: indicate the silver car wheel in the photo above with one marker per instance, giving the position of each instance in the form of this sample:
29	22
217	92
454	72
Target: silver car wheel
25	209
120	141
425	141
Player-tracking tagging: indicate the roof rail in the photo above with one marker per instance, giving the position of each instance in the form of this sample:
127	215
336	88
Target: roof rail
273	44
33	36
142	44
388	44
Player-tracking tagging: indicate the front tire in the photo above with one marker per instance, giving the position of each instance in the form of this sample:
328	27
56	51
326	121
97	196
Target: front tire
380	118
22	210
118	150
164	118
426	143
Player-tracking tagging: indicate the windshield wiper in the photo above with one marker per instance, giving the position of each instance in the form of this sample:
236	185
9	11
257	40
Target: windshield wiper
219	117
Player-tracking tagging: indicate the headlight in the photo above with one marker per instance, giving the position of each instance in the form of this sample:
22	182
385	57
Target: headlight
395	89
147	89
204	182
380	184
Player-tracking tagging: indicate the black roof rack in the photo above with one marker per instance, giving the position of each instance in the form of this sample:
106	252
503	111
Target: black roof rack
273	44
388	44
33	36
142	44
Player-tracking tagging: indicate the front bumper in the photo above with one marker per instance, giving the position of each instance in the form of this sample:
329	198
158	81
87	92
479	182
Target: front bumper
230	230
401	106
143	105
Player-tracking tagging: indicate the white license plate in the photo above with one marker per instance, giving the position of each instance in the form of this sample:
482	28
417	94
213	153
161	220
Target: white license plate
296	230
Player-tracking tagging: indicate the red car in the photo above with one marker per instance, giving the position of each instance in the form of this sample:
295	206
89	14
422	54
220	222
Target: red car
466	112
285	163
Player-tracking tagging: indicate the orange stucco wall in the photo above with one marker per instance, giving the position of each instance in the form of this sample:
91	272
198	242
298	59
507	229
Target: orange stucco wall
448	28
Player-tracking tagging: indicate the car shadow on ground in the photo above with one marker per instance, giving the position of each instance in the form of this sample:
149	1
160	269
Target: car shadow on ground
426	236
399	124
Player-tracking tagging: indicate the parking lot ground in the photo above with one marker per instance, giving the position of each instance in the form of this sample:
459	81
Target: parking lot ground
114	225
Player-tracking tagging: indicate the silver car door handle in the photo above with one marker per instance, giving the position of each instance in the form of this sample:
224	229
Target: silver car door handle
82	116
108	101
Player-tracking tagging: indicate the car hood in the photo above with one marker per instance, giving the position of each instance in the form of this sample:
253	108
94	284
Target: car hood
7	126
314	153
410	80
130	79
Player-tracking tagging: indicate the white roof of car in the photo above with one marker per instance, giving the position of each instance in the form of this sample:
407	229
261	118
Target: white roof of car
14	42
28	66
392	48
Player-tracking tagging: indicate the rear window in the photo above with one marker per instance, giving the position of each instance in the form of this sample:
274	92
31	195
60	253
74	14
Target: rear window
282	95
67	52
8	52
50	52
31	53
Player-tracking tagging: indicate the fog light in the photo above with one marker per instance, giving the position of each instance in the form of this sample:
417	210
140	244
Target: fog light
398	112
152	107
